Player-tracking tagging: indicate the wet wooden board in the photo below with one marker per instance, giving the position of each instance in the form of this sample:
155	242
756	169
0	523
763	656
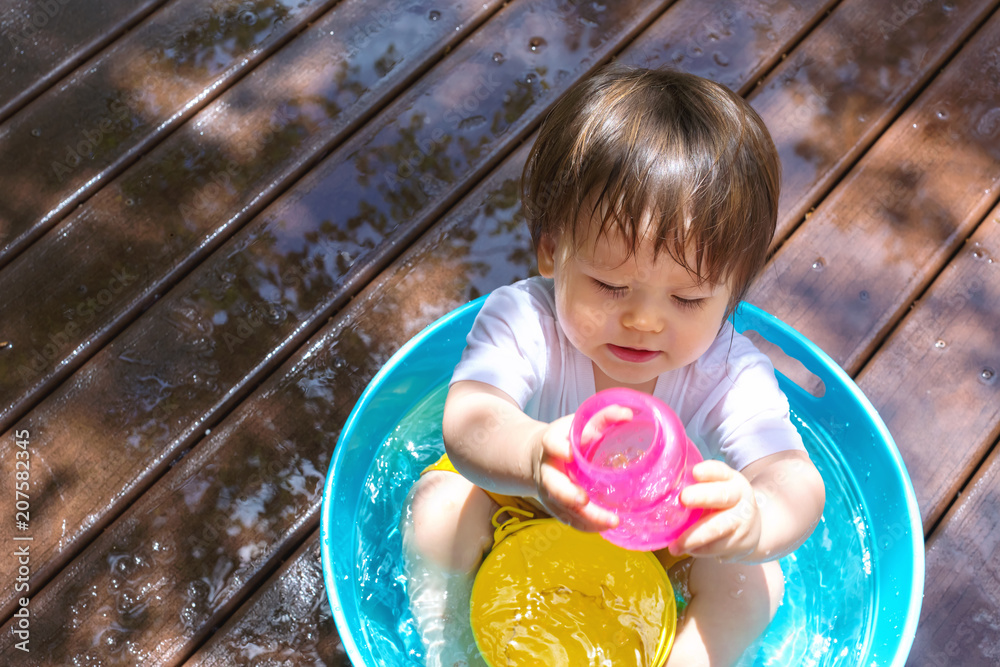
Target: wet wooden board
206	180
847	275
848	79
301	632
336	88
62	147
320	464
944	361
263	244
960	619
42	41
732	43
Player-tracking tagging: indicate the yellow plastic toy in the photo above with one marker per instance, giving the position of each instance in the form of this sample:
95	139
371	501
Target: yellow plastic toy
548	594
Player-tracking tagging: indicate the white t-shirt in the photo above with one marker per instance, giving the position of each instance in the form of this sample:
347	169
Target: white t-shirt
728	400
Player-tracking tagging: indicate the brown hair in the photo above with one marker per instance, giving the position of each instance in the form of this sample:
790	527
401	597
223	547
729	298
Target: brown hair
687	152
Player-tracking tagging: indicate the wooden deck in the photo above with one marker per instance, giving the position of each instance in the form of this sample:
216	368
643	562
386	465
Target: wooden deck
218	220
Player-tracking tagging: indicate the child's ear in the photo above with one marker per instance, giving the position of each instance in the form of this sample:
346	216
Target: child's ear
546	256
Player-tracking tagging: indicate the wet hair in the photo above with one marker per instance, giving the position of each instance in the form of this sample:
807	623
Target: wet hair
693	156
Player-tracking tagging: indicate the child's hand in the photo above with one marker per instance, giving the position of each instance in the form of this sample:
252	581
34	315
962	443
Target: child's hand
730	530
558	494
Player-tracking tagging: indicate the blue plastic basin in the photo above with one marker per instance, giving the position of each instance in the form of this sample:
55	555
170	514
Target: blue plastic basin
867	451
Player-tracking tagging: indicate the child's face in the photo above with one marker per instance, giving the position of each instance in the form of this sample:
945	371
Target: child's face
634	317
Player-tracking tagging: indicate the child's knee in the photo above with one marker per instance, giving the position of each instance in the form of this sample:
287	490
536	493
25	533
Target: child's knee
450	521
765	588
774	580
753	591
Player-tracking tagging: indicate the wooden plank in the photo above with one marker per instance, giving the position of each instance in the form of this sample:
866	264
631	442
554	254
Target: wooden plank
935	382
848	275
302	632
842	86
728	42
258	293
42	41
960	618
146	228
62	147
219	463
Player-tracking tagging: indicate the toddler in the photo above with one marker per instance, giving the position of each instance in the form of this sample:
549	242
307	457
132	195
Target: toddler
652	199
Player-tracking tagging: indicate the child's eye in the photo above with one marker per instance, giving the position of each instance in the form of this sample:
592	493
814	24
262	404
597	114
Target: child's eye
612	290
689	303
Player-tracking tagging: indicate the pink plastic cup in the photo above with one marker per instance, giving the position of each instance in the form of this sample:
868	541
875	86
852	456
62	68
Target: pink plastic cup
636	469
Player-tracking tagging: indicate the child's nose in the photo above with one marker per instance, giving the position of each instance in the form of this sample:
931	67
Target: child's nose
643	317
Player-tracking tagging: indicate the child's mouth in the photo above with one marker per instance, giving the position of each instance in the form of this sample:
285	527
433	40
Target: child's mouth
632	354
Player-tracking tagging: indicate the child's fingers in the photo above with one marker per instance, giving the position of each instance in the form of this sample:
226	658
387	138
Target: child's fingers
727	534
725	550
589	517
569	503
712	471
560	488
597	518
555	441
613	414
712	495
705	536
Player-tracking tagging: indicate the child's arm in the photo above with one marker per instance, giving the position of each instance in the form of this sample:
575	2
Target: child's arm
761	513
497	447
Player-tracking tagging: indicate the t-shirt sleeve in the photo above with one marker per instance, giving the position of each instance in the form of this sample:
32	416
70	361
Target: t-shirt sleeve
748	417
506	347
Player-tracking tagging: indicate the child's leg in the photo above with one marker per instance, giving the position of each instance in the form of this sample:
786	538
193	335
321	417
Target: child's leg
446	531
451	521
731	605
